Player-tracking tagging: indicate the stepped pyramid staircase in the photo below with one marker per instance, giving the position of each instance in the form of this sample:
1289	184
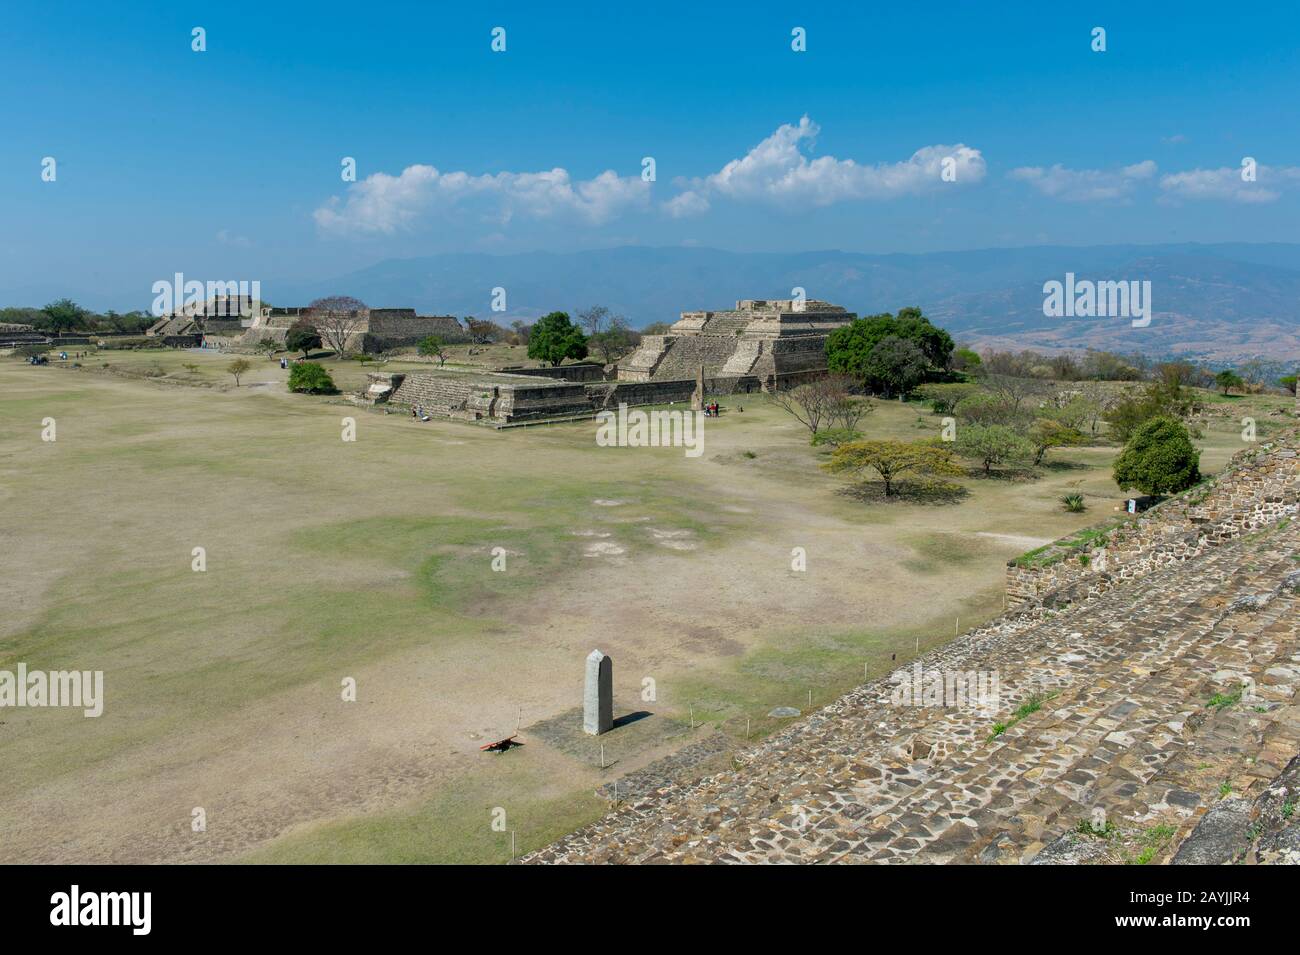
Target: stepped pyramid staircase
1131	704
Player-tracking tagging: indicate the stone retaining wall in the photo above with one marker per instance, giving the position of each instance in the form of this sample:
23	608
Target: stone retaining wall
666	392
1260	486
582	371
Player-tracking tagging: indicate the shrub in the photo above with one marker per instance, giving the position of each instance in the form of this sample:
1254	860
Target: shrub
1158	459
1074	503
311	379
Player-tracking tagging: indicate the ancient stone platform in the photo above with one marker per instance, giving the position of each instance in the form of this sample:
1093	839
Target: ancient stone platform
777	341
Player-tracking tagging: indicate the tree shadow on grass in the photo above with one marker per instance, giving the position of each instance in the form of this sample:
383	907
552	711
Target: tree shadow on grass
1062	465
933	493
1019	475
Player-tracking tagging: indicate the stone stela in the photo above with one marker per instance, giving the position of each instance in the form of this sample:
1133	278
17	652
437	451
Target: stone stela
598	695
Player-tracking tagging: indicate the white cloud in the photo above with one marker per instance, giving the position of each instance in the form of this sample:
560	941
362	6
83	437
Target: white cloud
1085	185
226	237
689	203
1227	184
776	170
387	204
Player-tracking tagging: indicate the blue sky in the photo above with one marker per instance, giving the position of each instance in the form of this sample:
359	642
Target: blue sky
226	163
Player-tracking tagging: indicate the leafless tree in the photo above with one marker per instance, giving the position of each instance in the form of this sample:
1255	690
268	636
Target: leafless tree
594	319
615	341
522	330
337	319
844	409
825	401
1099	399
1013	390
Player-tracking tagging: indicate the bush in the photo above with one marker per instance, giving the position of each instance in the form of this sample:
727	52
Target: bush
1158	459
309	378
1074	503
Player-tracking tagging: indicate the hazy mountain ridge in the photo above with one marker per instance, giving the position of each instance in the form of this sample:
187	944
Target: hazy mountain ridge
1226	301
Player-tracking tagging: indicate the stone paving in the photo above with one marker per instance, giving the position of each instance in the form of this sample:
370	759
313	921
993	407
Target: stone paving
1120	723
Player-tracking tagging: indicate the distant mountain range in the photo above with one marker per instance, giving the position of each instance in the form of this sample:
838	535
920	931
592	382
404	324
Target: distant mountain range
1226	302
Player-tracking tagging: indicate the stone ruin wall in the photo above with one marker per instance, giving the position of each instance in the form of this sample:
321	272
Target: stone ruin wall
668	358
381	329
495	398
400	327
1259	487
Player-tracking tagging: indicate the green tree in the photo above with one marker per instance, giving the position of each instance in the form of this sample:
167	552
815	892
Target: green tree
63	315
1288	382
238	367
893	459
303	337
965	359
554	338
312	379
933	341
992	444
895	366
432	346
1228	379
943	397
1047	433
1158	459
849	348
